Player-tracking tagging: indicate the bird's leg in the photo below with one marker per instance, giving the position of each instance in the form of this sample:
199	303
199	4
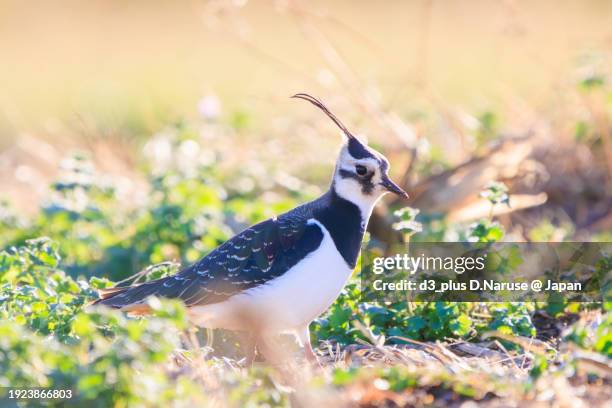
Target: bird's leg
310	355
248	343
268	347
304	337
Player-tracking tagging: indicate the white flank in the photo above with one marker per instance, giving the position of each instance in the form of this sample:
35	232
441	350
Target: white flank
287	303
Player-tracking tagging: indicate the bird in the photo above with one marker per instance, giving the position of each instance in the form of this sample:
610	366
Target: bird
281	274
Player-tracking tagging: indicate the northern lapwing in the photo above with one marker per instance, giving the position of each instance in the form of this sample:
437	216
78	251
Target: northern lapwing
281	274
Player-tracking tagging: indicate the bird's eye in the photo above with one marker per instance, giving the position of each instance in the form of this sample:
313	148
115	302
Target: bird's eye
361	170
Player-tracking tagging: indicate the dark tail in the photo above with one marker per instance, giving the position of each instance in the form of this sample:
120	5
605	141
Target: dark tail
130	298
106	295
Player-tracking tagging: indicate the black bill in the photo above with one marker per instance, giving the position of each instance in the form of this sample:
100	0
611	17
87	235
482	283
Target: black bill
392	187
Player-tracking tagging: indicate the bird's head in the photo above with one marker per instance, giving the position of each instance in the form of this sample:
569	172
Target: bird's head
362	173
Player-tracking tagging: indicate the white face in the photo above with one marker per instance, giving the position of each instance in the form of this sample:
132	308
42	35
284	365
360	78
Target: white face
363	179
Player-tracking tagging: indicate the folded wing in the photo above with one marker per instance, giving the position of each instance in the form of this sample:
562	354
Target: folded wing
254	257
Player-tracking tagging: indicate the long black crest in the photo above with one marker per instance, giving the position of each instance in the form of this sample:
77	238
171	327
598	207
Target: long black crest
316	102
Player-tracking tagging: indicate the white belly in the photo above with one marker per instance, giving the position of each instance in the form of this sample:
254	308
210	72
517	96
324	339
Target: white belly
288	302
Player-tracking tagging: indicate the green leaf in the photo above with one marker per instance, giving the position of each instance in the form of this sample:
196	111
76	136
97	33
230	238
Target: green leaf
38	307
461	325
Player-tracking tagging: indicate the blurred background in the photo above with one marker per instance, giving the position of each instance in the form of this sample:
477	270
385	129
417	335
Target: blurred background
457	94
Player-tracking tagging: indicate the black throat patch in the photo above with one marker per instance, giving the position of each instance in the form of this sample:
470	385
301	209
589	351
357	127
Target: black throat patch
343	221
